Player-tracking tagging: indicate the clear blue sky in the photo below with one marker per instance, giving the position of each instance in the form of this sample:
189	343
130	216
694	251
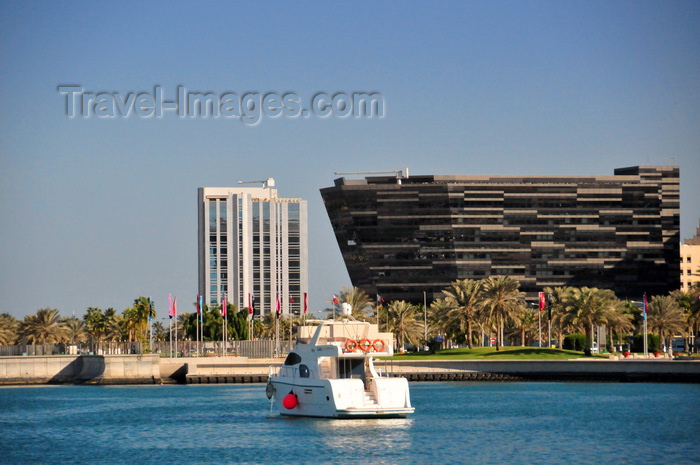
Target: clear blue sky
96	211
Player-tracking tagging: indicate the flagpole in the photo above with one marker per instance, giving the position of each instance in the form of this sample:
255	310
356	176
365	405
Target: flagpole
175	316
645	304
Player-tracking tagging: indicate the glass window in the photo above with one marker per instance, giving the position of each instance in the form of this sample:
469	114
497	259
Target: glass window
292	359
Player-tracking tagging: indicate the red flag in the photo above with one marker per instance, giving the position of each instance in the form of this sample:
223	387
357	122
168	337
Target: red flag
335	299
380	299
250	305
306	303
196	305
223	307
175	307
542	301
278	306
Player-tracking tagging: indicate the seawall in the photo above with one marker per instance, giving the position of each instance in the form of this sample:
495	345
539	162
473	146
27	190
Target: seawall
80	369
149	369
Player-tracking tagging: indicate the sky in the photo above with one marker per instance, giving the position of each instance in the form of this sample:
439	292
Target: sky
98	210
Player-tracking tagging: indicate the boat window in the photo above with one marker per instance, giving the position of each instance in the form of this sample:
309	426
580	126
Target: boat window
292	359
303	371
351	368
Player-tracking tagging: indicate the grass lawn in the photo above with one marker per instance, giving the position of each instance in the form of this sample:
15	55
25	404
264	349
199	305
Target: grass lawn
490	353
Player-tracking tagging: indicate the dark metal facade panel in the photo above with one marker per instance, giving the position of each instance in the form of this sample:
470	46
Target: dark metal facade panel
617	232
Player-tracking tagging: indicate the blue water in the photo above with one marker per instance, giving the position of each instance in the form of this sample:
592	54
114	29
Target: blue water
514	423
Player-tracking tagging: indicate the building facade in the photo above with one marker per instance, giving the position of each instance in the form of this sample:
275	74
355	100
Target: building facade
400	237
690	262
253	248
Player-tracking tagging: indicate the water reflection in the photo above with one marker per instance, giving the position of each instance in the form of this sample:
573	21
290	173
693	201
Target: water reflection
368	434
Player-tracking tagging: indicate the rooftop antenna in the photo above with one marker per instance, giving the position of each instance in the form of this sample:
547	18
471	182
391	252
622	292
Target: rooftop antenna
269	182
400	174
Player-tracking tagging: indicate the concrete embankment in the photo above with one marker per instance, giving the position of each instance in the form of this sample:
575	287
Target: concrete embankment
677	371
80	369
148	369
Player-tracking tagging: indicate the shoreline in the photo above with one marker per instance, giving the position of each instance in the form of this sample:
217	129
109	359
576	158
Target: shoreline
151	369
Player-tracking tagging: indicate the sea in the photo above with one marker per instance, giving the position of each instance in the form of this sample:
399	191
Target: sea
454	423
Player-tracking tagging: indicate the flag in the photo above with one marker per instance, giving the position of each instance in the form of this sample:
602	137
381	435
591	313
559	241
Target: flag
150	310
306	303
201	307
223	307
170	306
291	299
196	304
542	301
250	305
646	305
278	306
549	306
175	307
335	299
380	300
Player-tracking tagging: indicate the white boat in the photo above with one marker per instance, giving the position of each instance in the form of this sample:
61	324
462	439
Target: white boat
331	374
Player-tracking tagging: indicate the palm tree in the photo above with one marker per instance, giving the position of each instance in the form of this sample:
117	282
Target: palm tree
145	311
95	325
132	323
524	319
76	328
359	301
587	307
159	333
620	321
463	297
438	321
403	320
559	298
8	329
665	317
118	328
45	327
686	300
501	298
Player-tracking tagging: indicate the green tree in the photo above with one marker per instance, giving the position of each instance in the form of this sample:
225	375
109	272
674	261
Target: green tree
95	325
665	317
438	322
463	297
144	312
238	324
501	299
44	327
359	301
76	329
620	323
686	301
587	307
403	321
9	327
526	321
159	332
558	298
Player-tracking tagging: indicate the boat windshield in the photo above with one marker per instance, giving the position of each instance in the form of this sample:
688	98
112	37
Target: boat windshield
292	359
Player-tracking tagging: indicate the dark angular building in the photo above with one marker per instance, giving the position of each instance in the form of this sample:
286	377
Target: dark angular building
401	236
